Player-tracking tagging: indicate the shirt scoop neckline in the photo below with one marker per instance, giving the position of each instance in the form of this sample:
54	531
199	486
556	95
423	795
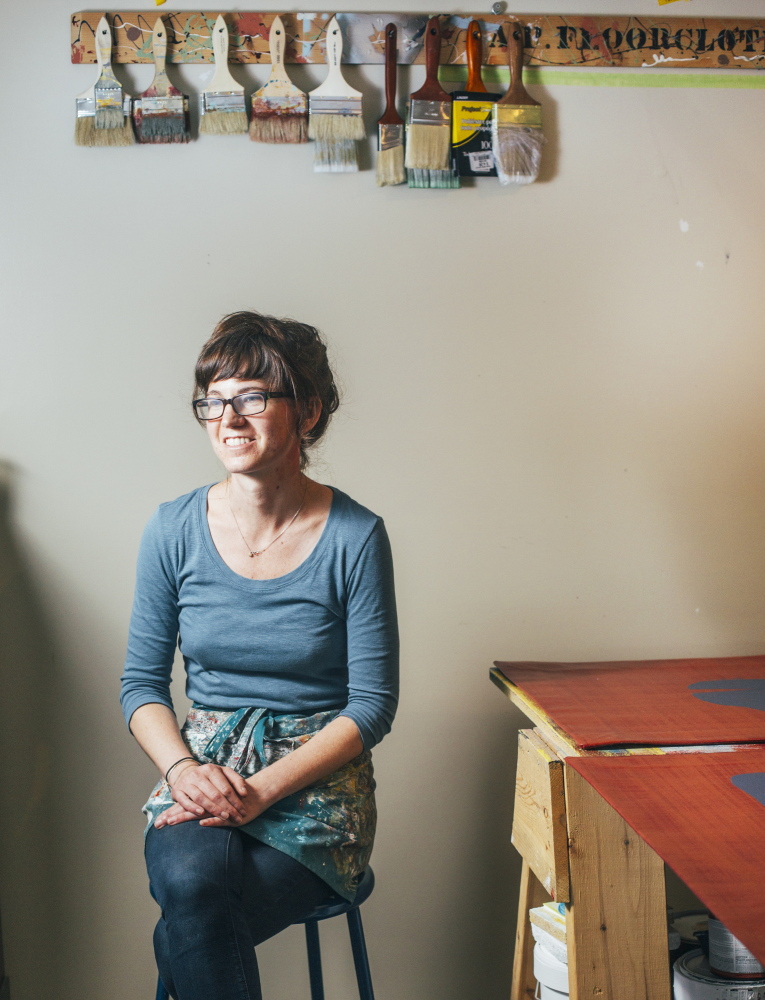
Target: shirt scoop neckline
276	581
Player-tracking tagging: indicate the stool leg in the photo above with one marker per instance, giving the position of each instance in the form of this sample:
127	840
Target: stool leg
360	958
314	959
162	993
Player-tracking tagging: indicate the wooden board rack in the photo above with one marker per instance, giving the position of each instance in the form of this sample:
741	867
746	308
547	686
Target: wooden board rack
550	39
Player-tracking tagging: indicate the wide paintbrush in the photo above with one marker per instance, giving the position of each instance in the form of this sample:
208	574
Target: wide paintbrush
160	113
517	136
223	109
103	110
428	133
279	109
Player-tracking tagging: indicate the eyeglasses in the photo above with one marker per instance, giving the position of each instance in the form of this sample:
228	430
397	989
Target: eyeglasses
246	404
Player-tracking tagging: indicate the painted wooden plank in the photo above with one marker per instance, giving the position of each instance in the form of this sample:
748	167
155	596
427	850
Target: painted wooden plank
539	817
550	39
532	894
616	923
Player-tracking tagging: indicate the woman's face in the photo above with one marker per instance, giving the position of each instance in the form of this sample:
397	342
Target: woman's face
263	442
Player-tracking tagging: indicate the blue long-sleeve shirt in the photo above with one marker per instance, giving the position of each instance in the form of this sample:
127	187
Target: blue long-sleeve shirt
323	636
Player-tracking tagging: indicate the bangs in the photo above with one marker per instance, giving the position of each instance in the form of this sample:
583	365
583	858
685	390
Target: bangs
244	356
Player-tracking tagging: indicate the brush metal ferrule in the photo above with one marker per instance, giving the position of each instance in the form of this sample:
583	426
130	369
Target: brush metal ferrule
160	105
389	136
86	107
224	100
517	114
108	97
430	112
335	106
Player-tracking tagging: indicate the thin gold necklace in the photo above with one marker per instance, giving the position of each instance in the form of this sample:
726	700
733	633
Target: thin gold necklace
259	552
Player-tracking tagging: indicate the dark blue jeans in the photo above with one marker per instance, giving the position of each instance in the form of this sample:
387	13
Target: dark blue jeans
221	893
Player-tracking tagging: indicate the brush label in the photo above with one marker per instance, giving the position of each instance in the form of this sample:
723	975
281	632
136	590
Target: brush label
471	135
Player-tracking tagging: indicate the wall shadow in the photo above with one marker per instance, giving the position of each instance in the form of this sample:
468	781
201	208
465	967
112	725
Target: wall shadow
29	891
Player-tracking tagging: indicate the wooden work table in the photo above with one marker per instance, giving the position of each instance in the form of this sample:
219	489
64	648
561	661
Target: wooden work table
578	850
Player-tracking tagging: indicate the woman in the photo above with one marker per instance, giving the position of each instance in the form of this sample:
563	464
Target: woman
279	593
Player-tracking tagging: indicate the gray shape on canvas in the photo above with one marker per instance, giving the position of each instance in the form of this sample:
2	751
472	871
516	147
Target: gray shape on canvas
740	692
753	784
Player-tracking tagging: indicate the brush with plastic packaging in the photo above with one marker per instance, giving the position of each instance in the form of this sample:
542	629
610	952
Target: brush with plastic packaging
222	107
390	128
428	132
161	112
279	109
334	109
471	115
516	127
103	110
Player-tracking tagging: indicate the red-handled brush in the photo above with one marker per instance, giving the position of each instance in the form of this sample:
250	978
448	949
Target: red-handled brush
390	128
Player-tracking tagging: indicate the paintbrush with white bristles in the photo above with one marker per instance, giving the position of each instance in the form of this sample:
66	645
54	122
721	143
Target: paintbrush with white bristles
223	109
516	127
160	113
335	113
103	110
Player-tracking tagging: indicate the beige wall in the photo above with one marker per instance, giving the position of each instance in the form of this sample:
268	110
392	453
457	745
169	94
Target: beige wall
553	396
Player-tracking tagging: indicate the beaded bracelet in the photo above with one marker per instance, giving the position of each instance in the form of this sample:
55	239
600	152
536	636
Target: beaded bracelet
167	773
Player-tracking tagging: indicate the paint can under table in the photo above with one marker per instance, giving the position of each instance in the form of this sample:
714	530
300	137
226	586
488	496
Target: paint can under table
729	957
551	975
694	980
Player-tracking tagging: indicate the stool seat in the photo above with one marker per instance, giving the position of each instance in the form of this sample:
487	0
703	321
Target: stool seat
364	887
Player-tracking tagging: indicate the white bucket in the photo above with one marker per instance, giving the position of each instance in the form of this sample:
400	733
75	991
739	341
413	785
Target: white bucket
545	993
694	980
552	974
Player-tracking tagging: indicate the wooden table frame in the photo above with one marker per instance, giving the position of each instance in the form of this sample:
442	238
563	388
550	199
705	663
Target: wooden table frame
577	849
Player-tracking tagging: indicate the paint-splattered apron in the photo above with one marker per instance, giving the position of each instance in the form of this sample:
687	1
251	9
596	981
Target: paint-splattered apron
329	826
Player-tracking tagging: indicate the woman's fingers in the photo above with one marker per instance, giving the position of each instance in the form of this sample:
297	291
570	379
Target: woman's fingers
175	814
187	802
238	783
220	780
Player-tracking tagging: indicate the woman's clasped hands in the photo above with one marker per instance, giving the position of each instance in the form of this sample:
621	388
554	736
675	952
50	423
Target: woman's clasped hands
214	795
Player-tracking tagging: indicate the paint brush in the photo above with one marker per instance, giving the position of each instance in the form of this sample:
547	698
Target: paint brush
390	128
223	109
103	110
335	113
472	114
279	109
161	112
428	132
430	112
516	127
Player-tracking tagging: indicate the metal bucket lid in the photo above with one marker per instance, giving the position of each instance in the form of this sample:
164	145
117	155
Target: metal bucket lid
694	967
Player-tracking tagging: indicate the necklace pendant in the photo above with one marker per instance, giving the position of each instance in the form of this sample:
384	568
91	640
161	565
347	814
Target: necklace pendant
252	554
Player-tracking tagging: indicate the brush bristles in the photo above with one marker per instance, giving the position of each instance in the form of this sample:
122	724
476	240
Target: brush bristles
106	118
223	123
162	128
432	179
335	157
390	166
86	133
517	153
335	128
278	128
428	147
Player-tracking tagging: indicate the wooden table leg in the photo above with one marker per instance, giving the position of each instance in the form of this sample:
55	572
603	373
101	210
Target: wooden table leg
616	925
532	894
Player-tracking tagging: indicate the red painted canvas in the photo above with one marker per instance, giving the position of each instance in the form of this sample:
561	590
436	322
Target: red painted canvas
704	814
650	702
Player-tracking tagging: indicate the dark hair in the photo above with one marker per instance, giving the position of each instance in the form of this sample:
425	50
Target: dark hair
288	356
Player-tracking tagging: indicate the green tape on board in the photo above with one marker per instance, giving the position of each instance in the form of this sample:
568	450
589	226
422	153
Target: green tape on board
498	76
